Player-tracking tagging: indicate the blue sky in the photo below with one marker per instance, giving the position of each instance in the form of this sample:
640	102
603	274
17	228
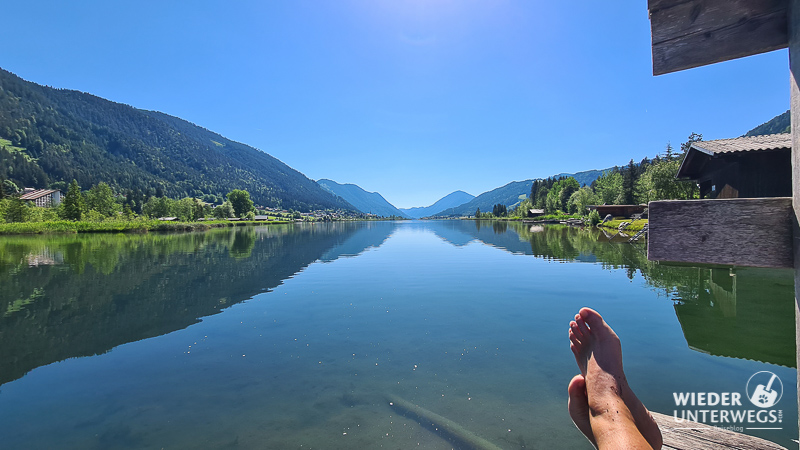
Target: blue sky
413	99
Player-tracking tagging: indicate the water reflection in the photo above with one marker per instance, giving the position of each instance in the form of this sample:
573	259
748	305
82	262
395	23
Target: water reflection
81	295
469	332
739	313
68	296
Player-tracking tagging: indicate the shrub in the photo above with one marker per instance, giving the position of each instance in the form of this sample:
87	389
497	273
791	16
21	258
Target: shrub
594	217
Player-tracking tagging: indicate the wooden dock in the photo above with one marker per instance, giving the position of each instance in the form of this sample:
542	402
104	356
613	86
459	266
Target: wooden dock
692	435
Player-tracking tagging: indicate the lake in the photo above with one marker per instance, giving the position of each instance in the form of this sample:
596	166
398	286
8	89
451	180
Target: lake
292	336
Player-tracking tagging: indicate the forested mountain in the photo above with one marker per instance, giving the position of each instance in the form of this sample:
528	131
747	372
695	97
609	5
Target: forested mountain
584	178
450	200
778	124
366	202
508	195
50	136
512	194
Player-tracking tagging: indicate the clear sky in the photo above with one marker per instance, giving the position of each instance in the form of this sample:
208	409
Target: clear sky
410	98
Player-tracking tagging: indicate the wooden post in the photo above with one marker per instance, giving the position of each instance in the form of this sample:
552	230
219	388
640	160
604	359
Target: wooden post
692	33
794	67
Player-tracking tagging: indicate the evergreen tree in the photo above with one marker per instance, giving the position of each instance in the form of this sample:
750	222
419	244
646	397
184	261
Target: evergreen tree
478	213
668	153
628	182
2	191
694	137
73	202
17	210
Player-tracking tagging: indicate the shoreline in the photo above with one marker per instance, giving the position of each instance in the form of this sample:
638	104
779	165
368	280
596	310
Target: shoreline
136	226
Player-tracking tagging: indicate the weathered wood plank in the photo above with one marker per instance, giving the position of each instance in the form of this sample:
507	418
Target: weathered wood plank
697	436
691	33
794	69
742	232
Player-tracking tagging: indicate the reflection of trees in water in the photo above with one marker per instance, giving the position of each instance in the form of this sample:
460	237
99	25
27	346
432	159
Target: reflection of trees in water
742	312
242	242
499	226
113	289
567	243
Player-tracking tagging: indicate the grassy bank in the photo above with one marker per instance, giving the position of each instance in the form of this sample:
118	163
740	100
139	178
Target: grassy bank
118	226
633	227
535	219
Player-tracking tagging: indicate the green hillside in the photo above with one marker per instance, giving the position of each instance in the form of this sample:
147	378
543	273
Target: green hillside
366	202
51	136
778	124
584	178
511	194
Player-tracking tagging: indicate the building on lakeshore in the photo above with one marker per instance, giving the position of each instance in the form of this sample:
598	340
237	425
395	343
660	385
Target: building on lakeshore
535	212
745	167
42	197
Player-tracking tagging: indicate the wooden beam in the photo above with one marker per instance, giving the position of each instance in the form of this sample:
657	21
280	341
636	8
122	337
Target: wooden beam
686	434
692	33
741	232
794	71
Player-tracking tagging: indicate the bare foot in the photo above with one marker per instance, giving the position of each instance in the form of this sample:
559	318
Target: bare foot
609	399
579	407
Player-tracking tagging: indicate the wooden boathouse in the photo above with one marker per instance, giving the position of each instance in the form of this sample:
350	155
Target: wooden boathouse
733	231
745	167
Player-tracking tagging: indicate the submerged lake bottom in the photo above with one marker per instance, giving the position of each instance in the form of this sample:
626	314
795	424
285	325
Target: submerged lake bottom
297	336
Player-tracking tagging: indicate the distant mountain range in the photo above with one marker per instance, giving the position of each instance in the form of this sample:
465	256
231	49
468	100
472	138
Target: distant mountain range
508	195
458	203
366	202
511	194
51	136
451	200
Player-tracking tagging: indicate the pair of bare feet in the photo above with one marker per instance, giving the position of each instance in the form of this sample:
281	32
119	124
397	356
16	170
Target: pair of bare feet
601	403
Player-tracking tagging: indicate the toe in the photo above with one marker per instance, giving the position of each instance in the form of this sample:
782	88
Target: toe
591	317
575	329
575	348
576	339
582	326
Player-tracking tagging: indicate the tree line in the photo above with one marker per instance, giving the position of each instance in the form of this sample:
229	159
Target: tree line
634	183
100	203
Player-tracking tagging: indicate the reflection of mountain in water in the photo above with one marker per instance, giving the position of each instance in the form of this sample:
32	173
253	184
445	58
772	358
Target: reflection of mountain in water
114	289
742	313
452	232
368	235
68	296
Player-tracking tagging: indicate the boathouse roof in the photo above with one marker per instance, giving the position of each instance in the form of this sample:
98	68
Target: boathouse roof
701	152
745	144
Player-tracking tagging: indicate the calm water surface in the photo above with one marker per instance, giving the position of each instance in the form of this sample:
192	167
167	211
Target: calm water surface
291	337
